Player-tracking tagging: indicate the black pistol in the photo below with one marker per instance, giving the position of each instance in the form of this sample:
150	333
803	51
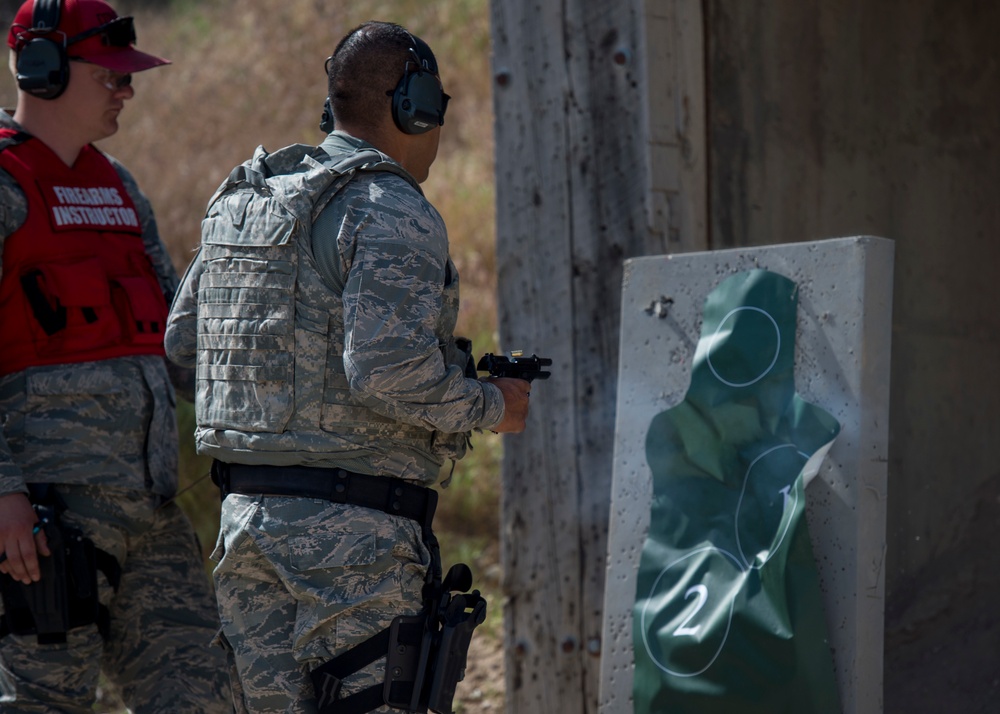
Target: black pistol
516	366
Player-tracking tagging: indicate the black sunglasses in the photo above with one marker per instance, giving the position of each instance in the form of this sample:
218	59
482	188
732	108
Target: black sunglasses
120	32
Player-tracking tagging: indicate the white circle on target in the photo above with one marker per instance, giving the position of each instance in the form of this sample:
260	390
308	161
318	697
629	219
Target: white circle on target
699	598
715	338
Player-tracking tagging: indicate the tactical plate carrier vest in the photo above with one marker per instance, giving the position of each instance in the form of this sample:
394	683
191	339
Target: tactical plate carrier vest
271	386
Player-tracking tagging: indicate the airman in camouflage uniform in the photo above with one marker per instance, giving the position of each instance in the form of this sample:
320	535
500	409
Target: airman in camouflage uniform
100	432
320	314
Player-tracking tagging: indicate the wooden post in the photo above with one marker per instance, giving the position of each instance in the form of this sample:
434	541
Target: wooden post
597	148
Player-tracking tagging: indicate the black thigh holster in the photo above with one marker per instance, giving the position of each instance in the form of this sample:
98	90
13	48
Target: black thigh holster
425	654
66	596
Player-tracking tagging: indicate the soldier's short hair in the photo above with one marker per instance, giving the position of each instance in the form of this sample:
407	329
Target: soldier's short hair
364	70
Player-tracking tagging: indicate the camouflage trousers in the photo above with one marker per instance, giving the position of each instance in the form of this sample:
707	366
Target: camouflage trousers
301	580
162	620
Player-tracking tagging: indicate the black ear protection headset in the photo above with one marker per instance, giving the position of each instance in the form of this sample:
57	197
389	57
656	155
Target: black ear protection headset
42	65
326	123
418	101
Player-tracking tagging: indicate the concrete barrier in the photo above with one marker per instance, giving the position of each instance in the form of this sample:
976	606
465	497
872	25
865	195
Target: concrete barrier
841	364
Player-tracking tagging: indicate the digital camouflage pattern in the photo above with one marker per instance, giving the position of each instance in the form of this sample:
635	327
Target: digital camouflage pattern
163	618
332	347
89	425
299	580
326	346
105	432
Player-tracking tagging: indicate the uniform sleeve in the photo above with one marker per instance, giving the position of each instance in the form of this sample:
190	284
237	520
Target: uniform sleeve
11	478
393	304
181	338
157	252
13	212
13	209
181	376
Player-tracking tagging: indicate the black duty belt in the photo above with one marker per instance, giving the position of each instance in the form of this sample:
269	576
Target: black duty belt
390	495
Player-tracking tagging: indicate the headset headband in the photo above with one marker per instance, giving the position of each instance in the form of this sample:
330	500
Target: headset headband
423	55
45	16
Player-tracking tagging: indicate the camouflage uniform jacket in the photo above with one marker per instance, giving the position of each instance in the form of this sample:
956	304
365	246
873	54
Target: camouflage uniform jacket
109	422
320	313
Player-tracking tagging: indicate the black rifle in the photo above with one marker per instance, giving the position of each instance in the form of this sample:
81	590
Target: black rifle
518	367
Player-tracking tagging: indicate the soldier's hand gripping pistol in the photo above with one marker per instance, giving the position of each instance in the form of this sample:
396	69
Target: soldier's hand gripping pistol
517	366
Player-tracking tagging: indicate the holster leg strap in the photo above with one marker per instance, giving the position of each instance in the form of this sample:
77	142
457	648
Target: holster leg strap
329	675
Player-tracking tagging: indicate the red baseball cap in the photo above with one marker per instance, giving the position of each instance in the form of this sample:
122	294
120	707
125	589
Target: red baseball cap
91	31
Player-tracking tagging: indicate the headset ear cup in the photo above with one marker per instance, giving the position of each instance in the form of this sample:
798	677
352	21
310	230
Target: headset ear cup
42	65
42	68
416	103
326	120
401	105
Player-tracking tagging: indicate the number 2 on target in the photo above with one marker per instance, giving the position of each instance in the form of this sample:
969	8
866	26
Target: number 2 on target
701	592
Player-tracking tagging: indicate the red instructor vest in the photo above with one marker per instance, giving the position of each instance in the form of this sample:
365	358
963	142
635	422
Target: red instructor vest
77	283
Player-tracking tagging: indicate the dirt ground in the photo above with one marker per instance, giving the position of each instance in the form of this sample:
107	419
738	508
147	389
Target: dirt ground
482	690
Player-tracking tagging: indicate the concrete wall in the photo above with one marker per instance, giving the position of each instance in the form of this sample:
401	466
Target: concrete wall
883	117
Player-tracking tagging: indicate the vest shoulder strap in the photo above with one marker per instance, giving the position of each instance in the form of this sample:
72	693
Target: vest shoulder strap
284	175
303	177
347	167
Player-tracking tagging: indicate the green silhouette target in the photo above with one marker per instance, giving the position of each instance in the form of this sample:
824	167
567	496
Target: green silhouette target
728	614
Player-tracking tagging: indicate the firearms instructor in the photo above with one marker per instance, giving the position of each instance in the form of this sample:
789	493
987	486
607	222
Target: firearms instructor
101	572
331	390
